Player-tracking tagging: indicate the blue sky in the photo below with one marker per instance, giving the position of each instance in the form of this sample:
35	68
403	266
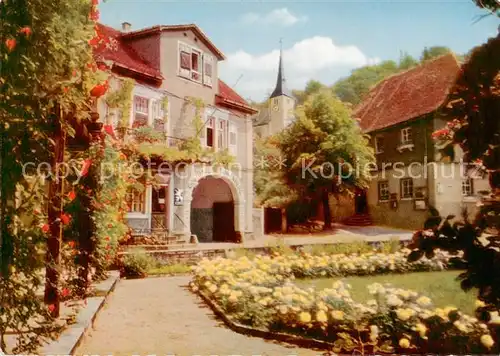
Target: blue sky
322	40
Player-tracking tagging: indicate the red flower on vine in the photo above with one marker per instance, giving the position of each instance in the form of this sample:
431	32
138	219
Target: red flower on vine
65	292
72	195
102	66
45	228
51	308
26	31
94	14
95	2
85	168
100	89
65	218
71	244
10	43
74	73
66	89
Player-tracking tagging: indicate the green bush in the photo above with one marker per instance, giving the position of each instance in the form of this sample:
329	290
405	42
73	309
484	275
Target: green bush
136	264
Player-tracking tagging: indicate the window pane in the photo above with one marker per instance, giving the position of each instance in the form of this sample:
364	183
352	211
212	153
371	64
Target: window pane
210	138
232	138
185	60
195	61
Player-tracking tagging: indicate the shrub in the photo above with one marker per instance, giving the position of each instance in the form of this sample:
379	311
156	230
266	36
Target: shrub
136	264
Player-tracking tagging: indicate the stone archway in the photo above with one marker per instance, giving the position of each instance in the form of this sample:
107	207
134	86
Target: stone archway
214	197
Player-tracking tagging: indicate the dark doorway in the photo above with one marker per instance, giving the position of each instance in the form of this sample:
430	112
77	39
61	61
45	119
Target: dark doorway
223	227
360	201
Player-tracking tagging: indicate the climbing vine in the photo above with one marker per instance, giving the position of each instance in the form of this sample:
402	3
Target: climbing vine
121	99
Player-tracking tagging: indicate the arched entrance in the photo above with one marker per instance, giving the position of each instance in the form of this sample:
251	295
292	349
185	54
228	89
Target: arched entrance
213	210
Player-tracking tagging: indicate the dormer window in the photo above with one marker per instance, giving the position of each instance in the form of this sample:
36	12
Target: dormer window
406	136
195	65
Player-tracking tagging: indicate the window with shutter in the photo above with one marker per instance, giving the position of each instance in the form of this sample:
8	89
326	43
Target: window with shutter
209	132
208	62
233	134
222	134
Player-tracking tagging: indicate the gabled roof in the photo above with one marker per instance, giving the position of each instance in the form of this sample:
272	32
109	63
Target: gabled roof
159	28
228	97
408	95
114	49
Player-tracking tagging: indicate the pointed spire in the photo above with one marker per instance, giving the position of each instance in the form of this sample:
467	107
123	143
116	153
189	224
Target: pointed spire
281	88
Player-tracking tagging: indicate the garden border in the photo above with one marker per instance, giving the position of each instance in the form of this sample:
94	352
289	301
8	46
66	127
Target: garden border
268	335
72	336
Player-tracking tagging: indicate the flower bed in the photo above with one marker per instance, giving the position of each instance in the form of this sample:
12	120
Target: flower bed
260	293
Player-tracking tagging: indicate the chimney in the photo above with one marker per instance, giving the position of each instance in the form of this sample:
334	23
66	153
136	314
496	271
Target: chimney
126	26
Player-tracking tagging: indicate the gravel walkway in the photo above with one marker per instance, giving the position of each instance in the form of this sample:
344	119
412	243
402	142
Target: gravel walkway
159	316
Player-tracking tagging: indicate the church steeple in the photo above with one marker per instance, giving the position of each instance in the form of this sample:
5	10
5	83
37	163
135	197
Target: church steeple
281	88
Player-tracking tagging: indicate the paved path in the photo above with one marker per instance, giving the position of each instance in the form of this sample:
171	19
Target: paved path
159	316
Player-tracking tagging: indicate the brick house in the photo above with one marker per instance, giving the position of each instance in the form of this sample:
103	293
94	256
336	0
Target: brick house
177	62
400	115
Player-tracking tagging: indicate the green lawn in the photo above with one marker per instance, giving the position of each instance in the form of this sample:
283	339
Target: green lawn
441	287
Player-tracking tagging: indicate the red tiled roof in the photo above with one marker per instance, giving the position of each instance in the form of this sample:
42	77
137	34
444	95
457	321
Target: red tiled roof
408	95
121	54
227	96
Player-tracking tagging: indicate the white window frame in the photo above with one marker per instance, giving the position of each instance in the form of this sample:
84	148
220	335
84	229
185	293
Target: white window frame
136	111
209	123
406	136
383	186
467	187
192	72
232	132
225	133
404	189
378	149
137	201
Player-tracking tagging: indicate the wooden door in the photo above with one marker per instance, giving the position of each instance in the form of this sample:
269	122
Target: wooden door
223	227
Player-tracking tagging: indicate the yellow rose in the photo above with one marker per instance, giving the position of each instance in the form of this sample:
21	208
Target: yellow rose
404	343
305	317
337	314
480	303
487	341
424	301
421	329
283	309
404	314
212	288
460	326
233	298
321	316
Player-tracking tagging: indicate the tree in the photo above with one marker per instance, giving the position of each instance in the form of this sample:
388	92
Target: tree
325	151
312	86
433	52
406	61
472	111
270	186
355	87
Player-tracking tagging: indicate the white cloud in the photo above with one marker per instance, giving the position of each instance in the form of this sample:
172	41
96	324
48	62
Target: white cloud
312	58
281	17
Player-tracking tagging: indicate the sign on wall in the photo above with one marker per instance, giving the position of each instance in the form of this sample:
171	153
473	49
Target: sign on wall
178	197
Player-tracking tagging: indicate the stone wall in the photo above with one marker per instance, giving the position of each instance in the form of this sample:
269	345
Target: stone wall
258	222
